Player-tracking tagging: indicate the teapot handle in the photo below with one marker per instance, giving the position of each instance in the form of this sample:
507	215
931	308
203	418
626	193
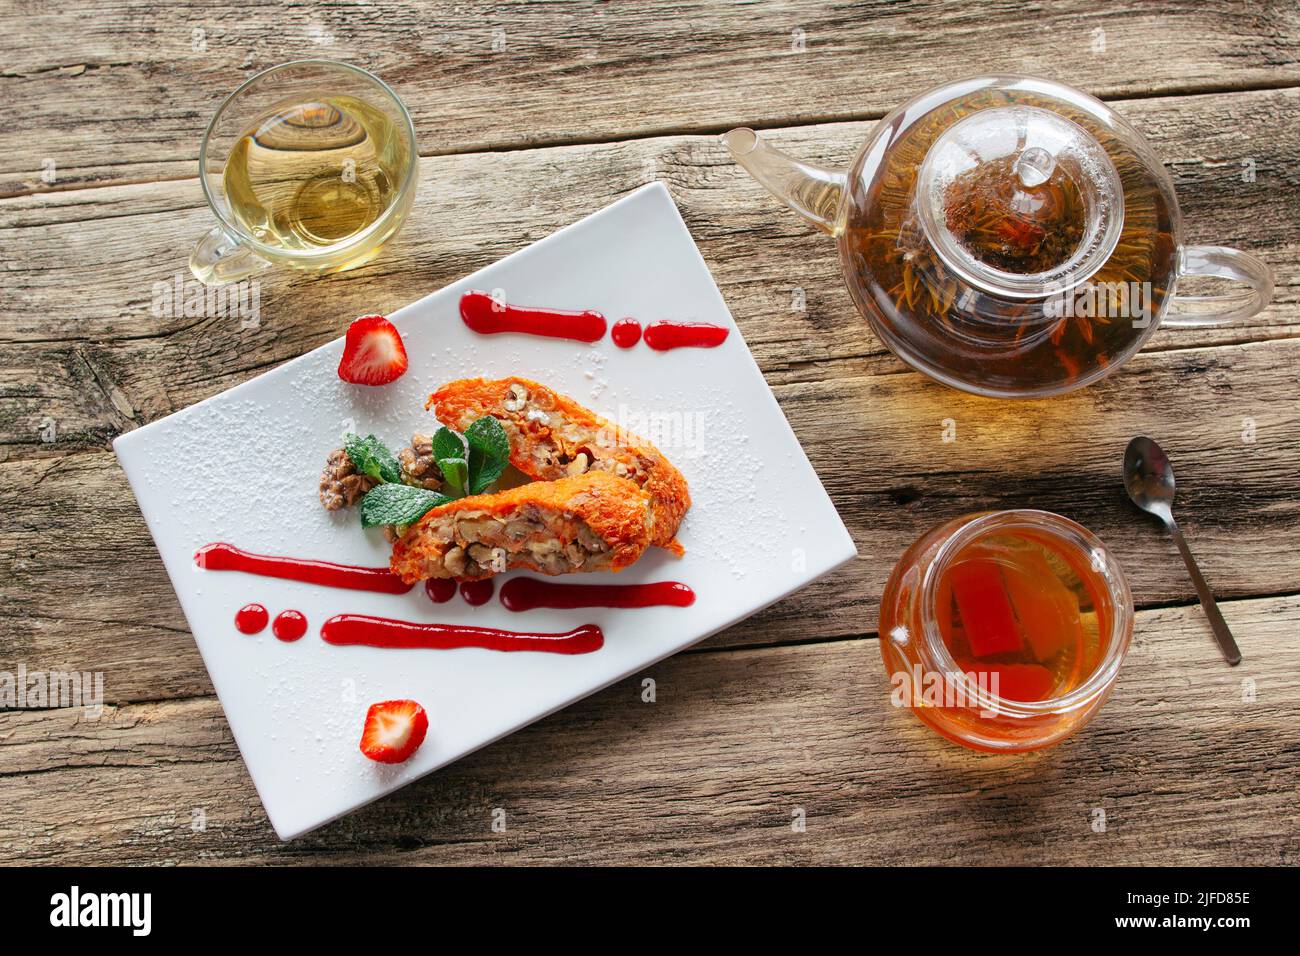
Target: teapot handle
1220	262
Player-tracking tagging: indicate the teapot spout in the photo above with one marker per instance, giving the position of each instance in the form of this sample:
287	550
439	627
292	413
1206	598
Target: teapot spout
811	191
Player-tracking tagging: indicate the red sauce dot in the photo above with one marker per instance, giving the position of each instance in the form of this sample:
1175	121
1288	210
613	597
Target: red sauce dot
440	590
477	592
626	333
251	618
289	625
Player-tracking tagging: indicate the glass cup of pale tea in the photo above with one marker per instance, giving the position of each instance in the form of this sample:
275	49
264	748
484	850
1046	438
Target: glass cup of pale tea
1005	630
310	165
1011	236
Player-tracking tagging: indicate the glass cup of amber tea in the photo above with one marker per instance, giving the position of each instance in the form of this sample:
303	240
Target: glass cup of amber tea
310	165
1004	631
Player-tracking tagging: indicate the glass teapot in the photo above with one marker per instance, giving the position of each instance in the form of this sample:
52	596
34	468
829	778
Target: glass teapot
1009	236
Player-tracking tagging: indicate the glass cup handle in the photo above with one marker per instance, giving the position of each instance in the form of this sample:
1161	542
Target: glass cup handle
219	257
1220	262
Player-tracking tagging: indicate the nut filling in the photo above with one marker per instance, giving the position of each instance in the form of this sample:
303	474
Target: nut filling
560	446
474	544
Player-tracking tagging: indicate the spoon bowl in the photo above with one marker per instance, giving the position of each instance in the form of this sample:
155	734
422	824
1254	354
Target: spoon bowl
1149	477
1149	481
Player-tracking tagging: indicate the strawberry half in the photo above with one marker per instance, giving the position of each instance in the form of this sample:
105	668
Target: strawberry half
394	730
373	353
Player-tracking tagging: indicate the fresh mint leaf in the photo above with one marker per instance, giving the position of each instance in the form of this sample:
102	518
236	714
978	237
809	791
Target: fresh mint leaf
489	451
489	436
371	457
398	504
455	474
483	471
447	444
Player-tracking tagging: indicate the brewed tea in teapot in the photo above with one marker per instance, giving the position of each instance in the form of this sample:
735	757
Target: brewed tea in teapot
1009	236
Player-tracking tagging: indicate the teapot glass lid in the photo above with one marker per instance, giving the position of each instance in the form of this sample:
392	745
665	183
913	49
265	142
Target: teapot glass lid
1020	201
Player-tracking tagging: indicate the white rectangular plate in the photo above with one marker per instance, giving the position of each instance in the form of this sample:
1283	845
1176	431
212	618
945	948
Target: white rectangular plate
243	467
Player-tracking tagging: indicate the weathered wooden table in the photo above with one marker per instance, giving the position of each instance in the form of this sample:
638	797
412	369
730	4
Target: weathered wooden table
529	117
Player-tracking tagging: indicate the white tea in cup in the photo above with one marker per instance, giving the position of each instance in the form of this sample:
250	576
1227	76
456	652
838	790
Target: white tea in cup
311	165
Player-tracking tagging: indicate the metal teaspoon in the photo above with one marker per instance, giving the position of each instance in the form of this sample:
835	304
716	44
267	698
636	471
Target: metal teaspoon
1149	480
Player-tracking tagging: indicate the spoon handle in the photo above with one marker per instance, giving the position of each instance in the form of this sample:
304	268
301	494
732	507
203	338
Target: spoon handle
1221	633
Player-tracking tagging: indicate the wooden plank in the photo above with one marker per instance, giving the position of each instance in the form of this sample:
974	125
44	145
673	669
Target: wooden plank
1191	762
115	92
89	354
878	444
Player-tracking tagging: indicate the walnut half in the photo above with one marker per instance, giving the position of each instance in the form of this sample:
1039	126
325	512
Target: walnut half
418	467
341	486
